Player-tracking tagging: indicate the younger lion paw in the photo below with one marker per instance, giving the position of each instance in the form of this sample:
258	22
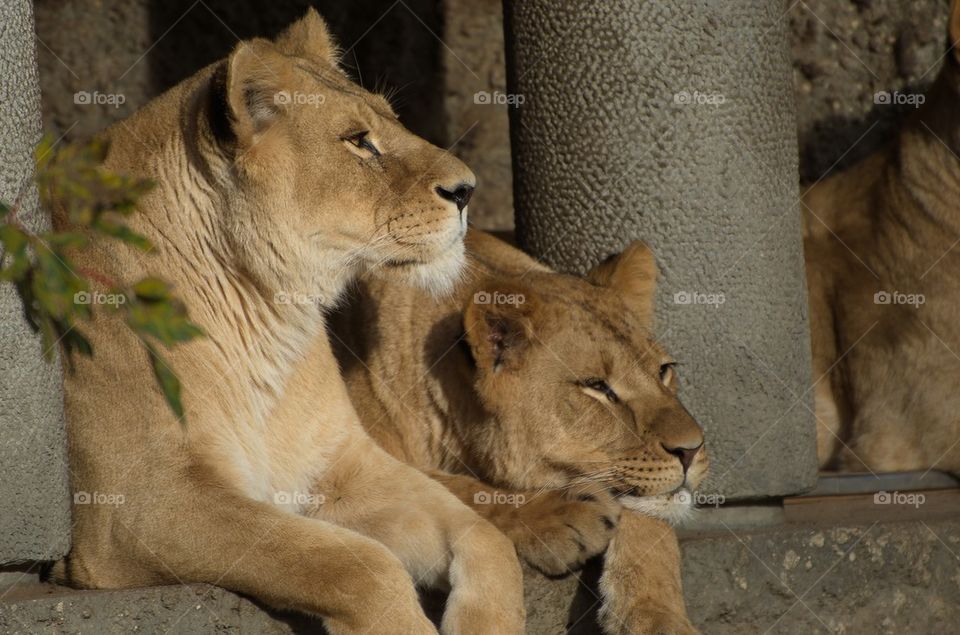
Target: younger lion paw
556	533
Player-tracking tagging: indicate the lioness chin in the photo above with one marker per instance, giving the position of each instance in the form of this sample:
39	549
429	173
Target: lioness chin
543	401
267	205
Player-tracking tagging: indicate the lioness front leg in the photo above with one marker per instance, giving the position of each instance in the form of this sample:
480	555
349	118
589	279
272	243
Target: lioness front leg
641	586
437	537
554	532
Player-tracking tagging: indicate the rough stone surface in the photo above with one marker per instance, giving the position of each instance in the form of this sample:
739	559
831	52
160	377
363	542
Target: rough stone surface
649	120
883	578
847	51
34	511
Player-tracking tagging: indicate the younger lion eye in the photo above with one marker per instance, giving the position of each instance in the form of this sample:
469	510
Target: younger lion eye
601	386
361	141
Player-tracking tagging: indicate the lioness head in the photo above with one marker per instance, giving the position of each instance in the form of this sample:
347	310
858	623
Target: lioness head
580	391
322	181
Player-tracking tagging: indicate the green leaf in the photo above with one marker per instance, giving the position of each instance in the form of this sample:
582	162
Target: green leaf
15	243
169	383
48	337
152	289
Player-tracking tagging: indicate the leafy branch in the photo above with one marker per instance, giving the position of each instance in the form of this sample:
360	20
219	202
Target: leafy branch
56	293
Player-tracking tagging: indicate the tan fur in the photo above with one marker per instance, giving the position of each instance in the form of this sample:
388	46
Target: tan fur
887	397
489	397
264	210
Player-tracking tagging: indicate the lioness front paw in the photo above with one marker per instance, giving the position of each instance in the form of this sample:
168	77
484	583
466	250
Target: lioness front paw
556	533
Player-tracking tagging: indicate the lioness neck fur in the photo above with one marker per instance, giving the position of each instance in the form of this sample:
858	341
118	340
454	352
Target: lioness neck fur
882	261
266	206
544	401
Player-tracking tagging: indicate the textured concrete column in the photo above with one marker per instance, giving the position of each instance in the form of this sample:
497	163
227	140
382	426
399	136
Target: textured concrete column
674	122
34	509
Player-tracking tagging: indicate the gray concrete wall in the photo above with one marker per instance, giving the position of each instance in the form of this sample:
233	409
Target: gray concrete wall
675	124
34	510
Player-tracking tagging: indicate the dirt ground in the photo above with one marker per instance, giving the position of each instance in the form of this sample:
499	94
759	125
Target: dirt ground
437	55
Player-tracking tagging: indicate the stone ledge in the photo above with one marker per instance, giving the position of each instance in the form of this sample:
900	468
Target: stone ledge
876	577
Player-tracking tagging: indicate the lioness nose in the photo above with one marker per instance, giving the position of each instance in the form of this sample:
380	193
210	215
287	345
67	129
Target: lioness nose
460	195
686	455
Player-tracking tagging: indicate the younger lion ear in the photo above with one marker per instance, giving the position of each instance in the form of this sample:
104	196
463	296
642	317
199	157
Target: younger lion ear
498	321
309	38
254	93
633	275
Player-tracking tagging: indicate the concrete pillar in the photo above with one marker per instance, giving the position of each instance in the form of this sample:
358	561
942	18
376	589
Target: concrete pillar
674	123
34	492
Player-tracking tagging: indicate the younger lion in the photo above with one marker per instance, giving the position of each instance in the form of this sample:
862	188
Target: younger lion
266	206
883	271
543	401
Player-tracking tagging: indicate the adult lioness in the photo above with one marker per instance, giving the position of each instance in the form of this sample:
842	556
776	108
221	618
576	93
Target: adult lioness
883	265
266	199
537	398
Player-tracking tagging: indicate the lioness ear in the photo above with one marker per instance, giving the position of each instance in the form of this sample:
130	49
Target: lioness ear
310	38
498	321
254	95
633	274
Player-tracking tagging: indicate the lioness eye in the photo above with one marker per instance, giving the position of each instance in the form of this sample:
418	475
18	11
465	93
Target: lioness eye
361	141
601	386
666	372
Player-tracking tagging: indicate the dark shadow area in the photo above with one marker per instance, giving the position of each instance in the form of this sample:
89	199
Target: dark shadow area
832	144
389	46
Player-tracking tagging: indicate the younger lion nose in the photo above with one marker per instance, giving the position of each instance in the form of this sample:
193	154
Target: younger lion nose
460	195
686	455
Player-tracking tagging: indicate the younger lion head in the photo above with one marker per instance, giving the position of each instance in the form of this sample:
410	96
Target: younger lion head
320	178
579	390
